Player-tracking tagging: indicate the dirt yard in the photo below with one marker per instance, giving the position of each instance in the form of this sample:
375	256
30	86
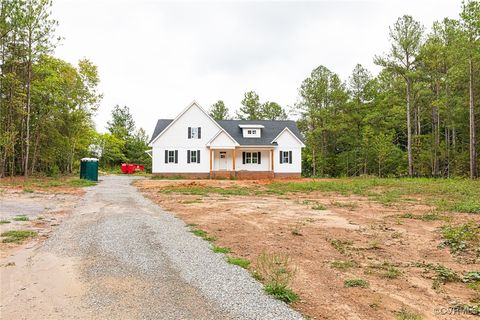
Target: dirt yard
391	241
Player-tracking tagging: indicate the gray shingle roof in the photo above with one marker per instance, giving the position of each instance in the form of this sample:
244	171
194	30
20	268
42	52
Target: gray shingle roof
270	131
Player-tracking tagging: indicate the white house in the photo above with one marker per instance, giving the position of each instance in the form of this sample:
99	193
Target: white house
195	145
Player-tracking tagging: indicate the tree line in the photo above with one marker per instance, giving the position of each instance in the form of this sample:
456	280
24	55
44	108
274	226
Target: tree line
47	104
417	117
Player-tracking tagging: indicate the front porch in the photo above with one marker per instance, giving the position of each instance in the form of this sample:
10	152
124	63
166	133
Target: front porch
242	163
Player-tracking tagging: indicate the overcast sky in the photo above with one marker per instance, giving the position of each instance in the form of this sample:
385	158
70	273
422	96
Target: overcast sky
158	56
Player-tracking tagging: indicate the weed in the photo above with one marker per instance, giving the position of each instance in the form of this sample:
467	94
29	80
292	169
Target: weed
319	206
444	274
347	205
461	237
355	283
391	273
244	263
21	218
405	314
218	249
28	190
342	246
17	236
342	265
296	229
282	293
396	235
471	206
374	244
277	273
4	221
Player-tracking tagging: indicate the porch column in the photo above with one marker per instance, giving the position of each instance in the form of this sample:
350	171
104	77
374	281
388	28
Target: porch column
271	157
233	160
211	161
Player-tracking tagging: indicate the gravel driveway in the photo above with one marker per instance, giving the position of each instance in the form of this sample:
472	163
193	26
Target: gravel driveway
138	262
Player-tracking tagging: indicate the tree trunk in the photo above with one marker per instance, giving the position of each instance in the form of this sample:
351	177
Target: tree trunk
473	156
29	98
409	132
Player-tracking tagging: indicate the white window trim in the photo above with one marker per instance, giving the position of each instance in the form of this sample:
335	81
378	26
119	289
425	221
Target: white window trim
251	157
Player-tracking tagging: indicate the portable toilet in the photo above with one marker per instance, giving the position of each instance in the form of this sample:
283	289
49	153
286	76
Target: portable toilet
89	169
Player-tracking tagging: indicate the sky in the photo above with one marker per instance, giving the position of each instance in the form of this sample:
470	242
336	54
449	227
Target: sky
158	56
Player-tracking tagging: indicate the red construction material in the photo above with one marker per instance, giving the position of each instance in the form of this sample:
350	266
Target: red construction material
130	168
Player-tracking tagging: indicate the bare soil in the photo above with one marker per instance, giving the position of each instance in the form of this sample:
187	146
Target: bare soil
371	235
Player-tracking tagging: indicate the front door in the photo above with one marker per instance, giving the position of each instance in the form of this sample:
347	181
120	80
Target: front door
223	160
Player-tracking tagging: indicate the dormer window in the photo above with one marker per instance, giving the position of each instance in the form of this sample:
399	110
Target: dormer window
251	130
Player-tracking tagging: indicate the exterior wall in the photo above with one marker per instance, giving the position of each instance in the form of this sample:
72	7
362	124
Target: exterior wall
265	164
186	175
222	141
176	138
287	142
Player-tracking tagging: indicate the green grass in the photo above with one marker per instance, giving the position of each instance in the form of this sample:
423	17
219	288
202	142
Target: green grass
282	293
79	183
28	190
244	263
355	283
34	183
341	246
424	217
319	206
17	236
218	249
342	265
4	221
203	234
167	177
21	218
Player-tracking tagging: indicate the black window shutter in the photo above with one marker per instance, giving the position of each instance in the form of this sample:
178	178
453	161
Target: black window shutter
198	152
281	160
289	156
243	157
199	132
188	156
176	156
259	158
189	132
166	156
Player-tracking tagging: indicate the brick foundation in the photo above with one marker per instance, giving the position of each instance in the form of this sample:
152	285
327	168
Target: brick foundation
242	175
254	175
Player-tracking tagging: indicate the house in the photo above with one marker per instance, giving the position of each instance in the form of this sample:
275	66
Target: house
195	145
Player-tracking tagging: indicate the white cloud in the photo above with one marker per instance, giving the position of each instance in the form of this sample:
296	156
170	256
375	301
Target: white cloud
157	56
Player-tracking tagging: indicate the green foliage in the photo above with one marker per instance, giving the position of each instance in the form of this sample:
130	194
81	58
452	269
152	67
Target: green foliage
218	249
17	236
4	221
203	234
244	263
405	314
21	218
462	237
282	293
219	111
355	283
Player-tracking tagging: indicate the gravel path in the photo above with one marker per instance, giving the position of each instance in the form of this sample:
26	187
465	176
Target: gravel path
139	262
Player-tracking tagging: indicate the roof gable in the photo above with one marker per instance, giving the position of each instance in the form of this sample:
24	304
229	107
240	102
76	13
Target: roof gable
164	124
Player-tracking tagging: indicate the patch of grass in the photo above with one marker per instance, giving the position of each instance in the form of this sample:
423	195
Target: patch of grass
28	190
343	204
277	272
341	246
244	263
282	293
319	206
203	234
383	270
444	274
79	183
218	249
424	217
375	244
21	217
167	177
405	314
391	273
355	283
472	206
342	265
17	236
462	237
4	221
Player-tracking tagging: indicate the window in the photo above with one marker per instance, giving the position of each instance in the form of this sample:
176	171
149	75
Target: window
252	157
171	156
251	133
194	132
285	156
193	156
